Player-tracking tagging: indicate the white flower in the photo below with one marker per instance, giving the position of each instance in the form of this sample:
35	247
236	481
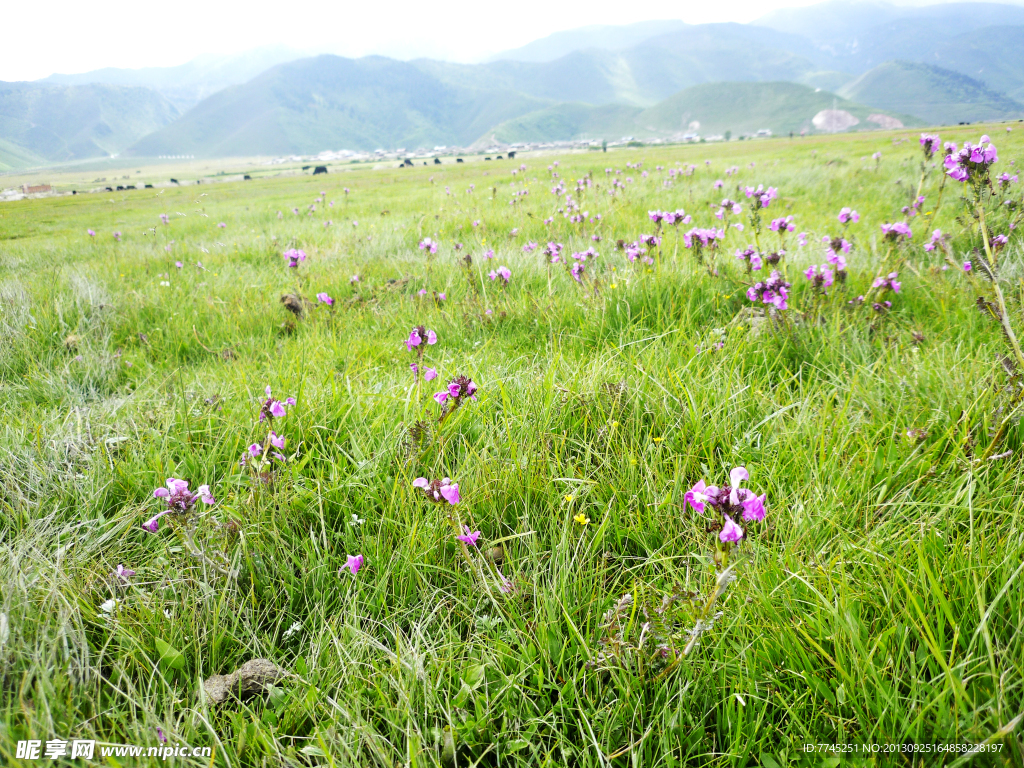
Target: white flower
296	627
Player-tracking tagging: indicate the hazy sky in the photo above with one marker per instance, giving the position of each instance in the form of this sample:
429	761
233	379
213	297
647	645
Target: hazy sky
70	36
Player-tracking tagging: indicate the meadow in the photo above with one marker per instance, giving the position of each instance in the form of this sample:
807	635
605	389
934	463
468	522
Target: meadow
560	588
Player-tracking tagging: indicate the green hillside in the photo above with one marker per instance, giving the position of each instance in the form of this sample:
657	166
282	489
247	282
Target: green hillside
993	55
61	123
331	102
716	108
13	157
933	94
562	122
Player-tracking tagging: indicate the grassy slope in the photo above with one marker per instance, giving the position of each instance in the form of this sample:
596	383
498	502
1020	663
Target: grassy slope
933	94
880	604
13	157
718	107
76	122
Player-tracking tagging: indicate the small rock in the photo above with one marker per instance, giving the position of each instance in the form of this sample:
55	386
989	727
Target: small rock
248	680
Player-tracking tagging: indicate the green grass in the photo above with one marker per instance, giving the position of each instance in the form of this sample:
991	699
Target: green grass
879	603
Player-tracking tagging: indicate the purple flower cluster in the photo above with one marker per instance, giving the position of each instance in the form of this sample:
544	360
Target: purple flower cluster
502	272
416	338
669	217
179	500
295	256
848	216
783	225
426	244
971	162
930	143
273	409
553	252
438	491
887	283
896	232
458	389
819	277
468	537
762	197
728	206
731	503
937	240
751	257
700	239
773	291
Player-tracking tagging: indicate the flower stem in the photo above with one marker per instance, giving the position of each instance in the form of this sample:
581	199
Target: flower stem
1004	317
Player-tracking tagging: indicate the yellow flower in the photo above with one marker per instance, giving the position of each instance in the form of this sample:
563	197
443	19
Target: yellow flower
568	498
582	519
658	439
615	285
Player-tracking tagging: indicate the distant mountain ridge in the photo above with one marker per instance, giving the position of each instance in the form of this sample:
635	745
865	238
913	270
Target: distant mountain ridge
933	93
931	64
187	84
76	122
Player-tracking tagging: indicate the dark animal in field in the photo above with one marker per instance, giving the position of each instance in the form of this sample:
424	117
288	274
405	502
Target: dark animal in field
458	159
109	189
306	167
149	186
499	157
408	162
511	155
319	169
73	192
174	181
130	186
487	158
247	177
437	161
120	188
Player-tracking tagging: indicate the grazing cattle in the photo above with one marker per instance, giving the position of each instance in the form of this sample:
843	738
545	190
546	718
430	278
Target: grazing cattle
499	157
511	155
408	162
458	159
437	161
109	189
319	169
487	158
174	181
73	192
149	186
130	186
247	177
120	188
306	167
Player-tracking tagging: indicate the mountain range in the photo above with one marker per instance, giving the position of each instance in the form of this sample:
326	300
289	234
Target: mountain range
920	65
